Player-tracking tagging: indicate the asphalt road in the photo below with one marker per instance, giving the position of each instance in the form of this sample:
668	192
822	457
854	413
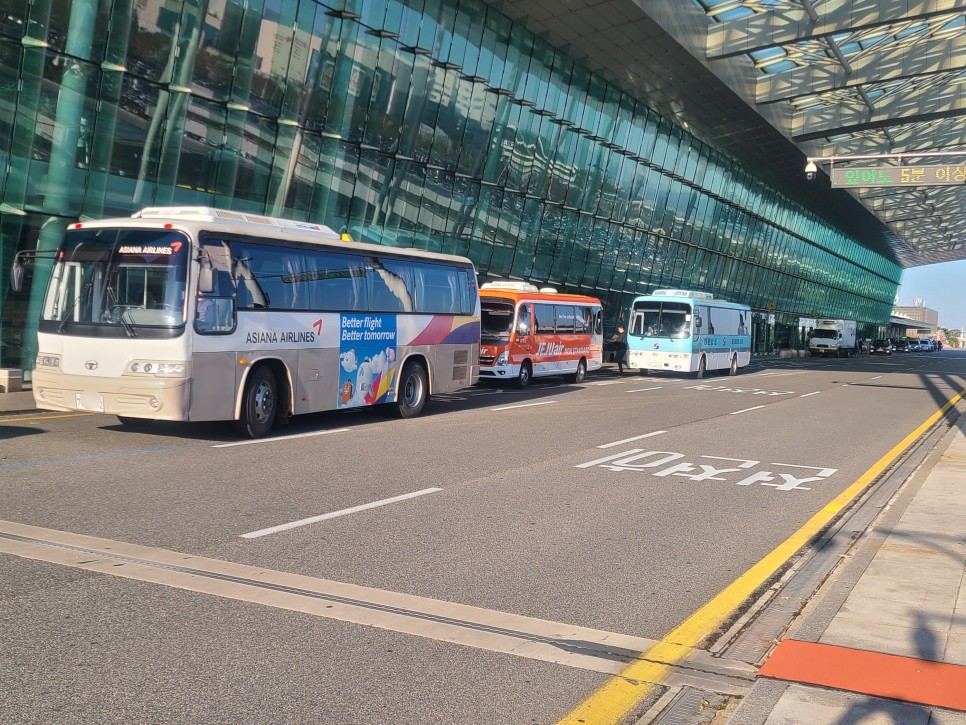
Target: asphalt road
493	561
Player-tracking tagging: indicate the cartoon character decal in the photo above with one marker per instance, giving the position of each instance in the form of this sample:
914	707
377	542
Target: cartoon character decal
346	394
367	360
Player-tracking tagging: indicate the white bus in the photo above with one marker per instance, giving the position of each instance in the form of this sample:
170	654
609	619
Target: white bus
200	314
684	331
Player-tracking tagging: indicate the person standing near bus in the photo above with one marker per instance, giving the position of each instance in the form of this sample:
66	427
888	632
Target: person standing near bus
619	342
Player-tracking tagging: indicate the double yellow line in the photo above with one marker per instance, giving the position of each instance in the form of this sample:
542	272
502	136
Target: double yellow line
610	704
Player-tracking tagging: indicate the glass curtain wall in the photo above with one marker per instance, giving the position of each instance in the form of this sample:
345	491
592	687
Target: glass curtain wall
437	124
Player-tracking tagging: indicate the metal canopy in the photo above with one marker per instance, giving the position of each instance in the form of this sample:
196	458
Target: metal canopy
770	82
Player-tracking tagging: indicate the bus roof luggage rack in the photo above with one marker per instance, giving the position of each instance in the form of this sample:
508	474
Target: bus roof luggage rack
212	215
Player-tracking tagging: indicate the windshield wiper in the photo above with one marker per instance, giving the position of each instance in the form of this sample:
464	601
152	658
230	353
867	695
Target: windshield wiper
117	314
69	309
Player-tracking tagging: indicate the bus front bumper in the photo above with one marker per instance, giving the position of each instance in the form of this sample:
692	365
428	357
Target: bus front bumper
148	397
646	360
499	372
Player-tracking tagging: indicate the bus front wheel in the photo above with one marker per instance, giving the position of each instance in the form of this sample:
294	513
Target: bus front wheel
259	404
412	391
580	374
526	374
702	368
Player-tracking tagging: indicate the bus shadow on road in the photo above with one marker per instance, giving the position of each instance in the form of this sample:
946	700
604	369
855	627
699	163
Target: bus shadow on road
8	432
481	396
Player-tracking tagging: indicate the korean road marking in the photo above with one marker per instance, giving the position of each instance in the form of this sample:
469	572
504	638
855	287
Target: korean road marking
670	463
810	394
336	514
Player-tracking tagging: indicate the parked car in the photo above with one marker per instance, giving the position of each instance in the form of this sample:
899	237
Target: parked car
880	347
901	346
927	345
914	345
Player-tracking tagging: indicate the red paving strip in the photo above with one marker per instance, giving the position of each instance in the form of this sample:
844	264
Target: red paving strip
870	673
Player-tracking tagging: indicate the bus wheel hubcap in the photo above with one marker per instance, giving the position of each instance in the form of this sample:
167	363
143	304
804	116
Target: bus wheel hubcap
264	403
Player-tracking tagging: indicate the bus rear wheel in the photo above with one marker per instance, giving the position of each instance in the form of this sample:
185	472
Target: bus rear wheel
412	391
525	376
259	404
579	375
733	370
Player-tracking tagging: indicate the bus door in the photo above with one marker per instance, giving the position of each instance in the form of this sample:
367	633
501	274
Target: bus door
522	345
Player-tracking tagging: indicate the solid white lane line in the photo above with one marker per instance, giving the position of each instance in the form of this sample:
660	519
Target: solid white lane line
525	405
746	410
635	438
808	394
876	377
336	514
644	390
275	439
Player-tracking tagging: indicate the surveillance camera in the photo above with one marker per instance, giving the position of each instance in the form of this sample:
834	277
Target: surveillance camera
811	170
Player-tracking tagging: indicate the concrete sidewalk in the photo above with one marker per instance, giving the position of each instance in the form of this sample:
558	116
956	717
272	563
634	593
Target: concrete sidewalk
884	641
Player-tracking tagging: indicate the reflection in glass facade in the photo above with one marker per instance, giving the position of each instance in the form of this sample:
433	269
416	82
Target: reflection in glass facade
438	124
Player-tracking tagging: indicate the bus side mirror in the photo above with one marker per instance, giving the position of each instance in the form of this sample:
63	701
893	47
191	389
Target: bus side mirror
16	275
206	277
697	322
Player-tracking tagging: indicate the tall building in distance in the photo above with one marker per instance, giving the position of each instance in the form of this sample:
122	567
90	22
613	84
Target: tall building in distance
920	313
447	125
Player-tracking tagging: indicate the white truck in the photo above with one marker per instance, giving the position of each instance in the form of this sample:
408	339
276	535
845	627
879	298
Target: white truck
833	337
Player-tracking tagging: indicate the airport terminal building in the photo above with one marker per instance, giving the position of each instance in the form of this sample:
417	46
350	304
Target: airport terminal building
462	126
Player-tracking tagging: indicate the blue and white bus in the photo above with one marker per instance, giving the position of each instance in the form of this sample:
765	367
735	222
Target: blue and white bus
686	331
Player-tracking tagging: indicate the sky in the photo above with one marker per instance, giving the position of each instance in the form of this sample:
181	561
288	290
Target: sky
942	287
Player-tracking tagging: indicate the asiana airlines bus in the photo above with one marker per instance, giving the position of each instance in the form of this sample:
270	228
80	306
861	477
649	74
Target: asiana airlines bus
202	314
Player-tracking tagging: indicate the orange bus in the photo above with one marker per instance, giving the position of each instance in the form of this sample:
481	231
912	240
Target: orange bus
528	332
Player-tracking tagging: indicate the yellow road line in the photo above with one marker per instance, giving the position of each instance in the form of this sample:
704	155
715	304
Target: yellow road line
615	699
44	417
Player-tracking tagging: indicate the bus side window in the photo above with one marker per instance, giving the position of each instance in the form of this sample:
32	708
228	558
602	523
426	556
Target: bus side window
545	324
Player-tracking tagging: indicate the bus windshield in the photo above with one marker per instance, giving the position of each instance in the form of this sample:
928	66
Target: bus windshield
496	321
118	280
661	319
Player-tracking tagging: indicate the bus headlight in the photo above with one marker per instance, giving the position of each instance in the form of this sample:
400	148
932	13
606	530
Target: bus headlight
503	358
158	369
48	361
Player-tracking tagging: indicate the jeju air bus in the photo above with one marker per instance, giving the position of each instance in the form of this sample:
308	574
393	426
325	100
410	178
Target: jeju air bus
526	332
